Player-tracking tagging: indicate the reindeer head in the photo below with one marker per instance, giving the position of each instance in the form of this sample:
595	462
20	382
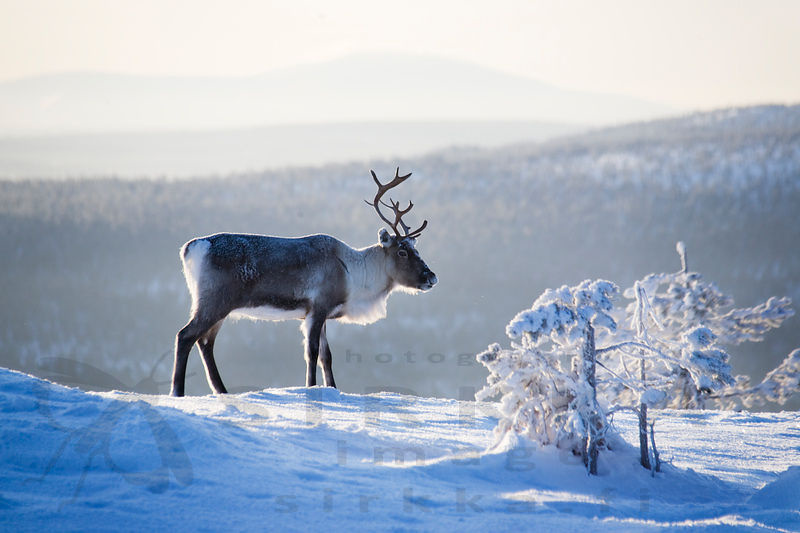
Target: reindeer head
403	263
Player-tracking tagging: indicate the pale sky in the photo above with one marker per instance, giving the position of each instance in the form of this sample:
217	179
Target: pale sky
687	54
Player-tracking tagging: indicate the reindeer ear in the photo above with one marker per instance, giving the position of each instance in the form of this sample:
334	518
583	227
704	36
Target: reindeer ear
385	238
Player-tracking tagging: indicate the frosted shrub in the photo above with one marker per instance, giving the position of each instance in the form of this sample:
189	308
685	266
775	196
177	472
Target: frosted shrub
539	398
535	395
697	355
692	321
669	352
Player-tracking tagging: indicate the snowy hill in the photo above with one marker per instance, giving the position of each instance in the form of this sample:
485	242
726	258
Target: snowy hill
300	459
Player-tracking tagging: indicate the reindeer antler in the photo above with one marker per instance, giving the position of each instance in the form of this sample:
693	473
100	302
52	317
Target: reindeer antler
394	206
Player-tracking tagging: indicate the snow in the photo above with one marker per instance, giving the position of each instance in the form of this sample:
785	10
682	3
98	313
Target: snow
302	458
651	397
781	493
557	310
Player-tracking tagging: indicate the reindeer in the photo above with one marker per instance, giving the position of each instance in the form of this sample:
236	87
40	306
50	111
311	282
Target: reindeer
312	278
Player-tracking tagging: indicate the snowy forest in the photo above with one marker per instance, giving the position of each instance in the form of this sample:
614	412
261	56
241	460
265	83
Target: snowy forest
91	273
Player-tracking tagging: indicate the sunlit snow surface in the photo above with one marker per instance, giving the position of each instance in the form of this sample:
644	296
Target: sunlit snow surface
304	459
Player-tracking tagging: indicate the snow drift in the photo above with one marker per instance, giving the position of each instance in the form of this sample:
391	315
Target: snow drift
302	458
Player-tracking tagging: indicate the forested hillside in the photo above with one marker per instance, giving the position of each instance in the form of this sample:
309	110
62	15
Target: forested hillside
90	269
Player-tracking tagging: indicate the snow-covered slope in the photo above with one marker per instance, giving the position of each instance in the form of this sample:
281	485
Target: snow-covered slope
302	459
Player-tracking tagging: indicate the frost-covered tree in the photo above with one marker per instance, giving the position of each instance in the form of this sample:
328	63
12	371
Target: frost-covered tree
637	371
694	320
540	398
548	380
568	347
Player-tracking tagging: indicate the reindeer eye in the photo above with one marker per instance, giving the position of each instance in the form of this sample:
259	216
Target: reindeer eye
402	253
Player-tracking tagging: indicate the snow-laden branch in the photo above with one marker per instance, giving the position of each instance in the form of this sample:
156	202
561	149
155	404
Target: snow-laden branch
622	345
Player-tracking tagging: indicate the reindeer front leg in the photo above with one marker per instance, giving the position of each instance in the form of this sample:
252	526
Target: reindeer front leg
312	329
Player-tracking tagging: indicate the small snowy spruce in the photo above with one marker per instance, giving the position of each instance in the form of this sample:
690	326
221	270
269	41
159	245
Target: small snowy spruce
568	348
540	398
692	321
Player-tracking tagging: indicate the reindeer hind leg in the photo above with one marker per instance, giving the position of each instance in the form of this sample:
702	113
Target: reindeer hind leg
184	341
326	358
206	346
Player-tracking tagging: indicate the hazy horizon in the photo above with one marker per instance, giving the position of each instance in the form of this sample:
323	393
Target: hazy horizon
188	154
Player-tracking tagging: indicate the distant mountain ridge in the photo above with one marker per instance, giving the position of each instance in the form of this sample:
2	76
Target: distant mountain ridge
371	87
